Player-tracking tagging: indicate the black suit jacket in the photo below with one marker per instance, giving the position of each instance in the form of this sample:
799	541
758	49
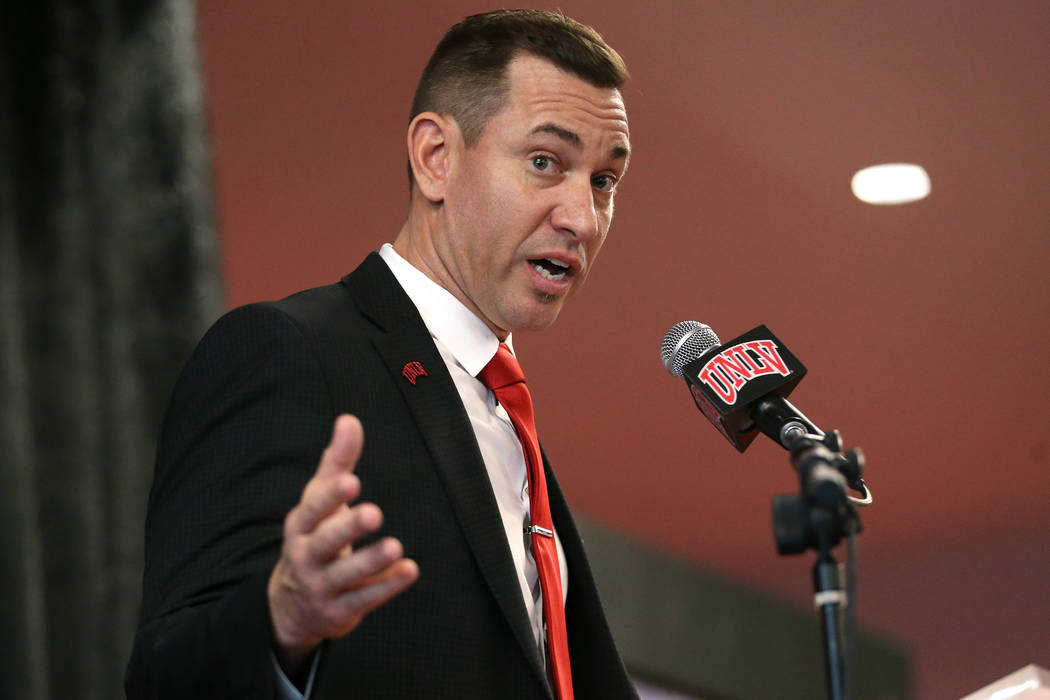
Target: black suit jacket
246	426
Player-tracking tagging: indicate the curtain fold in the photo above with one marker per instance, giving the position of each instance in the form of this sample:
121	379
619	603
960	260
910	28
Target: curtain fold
108	275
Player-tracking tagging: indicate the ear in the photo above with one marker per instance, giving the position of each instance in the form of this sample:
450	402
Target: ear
430	141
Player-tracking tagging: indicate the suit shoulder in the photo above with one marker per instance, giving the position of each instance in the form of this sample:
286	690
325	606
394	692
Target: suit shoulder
302	314
317	305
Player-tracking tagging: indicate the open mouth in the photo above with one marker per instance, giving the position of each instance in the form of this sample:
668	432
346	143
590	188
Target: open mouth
549	269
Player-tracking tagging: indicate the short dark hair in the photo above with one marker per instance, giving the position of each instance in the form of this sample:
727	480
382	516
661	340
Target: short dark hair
466	76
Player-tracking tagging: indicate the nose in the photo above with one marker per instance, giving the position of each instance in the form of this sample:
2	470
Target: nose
575	212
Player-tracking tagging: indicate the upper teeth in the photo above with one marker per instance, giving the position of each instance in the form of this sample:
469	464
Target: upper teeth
562	269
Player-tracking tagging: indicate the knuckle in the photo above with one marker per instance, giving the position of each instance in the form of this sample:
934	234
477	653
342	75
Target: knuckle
298	556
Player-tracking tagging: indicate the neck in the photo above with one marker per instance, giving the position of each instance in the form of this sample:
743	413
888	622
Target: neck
415	243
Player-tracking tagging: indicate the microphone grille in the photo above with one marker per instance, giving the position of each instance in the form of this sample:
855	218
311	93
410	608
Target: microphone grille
685	342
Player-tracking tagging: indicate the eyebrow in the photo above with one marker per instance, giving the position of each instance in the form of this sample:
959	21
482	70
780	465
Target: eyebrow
573	139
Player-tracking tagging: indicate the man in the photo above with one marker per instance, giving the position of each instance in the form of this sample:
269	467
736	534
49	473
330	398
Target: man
254	582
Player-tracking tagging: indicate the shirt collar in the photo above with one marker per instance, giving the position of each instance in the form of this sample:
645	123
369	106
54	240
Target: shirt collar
451	323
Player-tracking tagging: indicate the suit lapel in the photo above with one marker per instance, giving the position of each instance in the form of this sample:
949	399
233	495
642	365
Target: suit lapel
442	420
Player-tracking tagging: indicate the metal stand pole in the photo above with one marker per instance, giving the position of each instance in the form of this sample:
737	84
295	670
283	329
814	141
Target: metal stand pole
817	518
829	597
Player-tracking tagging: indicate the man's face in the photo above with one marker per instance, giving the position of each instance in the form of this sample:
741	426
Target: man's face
528	207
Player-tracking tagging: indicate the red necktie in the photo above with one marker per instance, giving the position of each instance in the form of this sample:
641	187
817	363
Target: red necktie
504	377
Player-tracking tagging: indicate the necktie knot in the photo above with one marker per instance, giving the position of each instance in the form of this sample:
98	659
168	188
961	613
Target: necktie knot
502	370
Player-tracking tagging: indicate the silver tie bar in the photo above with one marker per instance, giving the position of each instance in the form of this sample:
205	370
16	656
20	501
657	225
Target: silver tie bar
537	530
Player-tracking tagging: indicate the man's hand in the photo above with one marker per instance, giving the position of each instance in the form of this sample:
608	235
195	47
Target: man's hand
322	587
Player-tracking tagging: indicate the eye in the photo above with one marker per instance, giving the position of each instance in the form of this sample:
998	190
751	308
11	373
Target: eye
605	183
541	162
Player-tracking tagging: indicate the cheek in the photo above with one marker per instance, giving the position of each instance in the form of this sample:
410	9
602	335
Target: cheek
470	223
594	247
604	223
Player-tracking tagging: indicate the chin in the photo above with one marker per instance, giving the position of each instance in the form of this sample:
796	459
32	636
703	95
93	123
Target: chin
534	312
538	321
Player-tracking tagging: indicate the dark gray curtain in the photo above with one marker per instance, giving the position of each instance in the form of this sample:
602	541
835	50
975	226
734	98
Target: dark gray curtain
107	278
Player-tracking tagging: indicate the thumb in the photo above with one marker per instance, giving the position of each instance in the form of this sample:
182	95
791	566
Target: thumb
344	449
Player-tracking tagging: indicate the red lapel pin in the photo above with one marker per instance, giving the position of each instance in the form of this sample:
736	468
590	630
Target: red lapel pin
412	371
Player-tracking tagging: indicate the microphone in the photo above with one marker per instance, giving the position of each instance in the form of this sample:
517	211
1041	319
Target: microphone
741	387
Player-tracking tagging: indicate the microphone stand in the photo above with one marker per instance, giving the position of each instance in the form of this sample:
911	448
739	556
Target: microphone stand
817	518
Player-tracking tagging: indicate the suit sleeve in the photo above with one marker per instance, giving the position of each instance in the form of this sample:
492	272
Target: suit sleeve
247	423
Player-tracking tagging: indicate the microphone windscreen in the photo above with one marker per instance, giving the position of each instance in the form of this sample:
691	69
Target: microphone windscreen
685	342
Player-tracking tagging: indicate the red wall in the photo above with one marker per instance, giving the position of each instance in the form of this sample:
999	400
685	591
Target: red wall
924	327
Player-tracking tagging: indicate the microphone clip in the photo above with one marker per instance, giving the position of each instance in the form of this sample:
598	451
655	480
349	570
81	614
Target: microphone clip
823	511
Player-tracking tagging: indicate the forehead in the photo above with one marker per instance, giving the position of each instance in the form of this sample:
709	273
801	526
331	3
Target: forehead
541	92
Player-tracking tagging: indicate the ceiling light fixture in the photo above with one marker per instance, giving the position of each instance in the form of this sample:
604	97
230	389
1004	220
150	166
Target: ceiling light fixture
891	183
